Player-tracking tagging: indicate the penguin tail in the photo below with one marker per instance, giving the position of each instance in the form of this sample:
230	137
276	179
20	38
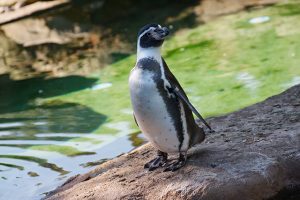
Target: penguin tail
205	128
199	134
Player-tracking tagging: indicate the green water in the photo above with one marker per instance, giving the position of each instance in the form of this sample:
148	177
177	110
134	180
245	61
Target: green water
44	143
224	65
51	129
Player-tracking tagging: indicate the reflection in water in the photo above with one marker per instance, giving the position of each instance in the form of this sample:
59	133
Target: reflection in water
42	145
39	161
40	138
94	163
12	165
19	95
53	117
248	80
137	139
295	81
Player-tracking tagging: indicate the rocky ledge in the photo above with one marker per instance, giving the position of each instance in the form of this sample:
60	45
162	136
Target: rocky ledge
254	154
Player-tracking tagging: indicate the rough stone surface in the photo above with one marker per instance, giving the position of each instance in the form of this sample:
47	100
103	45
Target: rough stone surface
210	9
254	154
31	32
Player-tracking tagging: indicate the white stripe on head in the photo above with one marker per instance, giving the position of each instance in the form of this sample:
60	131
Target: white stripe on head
142	34
150	52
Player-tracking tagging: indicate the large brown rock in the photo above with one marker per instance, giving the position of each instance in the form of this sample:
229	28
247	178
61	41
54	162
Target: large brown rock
254	154
209	9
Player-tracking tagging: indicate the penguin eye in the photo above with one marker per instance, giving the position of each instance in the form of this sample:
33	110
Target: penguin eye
148	34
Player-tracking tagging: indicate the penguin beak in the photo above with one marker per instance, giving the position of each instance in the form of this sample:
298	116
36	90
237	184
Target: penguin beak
165	32
161	33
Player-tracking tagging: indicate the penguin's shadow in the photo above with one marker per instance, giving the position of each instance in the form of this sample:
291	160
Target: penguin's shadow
200	156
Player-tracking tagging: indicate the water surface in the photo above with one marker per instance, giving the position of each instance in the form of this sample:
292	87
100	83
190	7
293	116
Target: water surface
42	144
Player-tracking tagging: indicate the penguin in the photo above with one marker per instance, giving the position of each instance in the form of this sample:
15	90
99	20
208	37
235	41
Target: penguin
161	108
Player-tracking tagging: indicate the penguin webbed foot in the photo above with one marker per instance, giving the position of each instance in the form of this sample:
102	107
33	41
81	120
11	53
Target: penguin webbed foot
211	131
177	164
159	161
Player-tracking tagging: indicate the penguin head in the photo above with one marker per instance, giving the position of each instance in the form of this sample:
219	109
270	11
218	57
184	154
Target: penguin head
152	35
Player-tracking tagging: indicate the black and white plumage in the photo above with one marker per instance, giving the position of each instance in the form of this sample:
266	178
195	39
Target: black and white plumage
161	108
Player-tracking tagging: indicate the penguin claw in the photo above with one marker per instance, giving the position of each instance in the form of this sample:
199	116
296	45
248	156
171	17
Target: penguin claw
176	165
159	161
212	131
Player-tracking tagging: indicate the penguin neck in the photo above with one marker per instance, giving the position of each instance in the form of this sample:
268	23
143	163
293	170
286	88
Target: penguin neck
150	53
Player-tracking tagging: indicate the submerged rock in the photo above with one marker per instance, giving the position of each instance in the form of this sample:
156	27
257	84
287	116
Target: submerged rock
254	154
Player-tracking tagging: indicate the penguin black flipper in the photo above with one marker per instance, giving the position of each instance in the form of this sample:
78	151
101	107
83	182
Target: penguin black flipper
179	93
178	90
135	120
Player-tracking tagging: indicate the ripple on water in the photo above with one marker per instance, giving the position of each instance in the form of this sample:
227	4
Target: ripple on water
43	144
40	148
248	80
295	81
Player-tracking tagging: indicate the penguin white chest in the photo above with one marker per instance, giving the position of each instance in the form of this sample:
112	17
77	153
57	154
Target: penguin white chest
151	112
